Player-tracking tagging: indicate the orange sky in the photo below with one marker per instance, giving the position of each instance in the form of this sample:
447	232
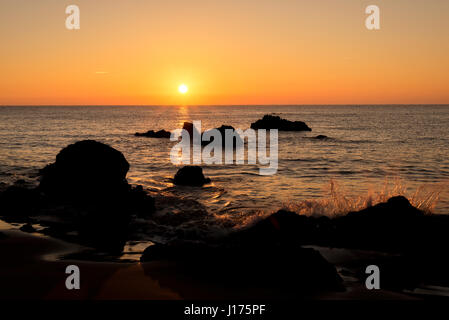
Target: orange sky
227	52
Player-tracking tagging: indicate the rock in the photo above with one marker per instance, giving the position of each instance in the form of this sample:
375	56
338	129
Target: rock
19	202
190	176
391	226
286	226
276	122
154	134
84	192
286	266
222	130
321	137
27	228
188	126
85	171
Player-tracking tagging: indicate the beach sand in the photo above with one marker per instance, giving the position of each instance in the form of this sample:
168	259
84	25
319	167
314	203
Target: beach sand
29	271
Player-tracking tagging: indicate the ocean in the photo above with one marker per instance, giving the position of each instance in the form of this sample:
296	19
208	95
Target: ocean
372	152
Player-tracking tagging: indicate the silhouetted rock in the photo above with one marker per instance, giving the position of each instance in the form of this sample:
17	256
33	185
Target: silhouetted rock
321	137
286	226
236	139
27	228
154	134
392	226
276	122
190	176
19	202
190	128
85	171
85	193
3	236
283	265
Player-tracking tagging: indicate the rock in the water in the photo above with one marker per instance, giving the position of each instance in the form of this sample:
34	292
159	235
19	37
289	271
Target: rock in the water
85	170
276	122
321	137
236	139
190	176
84	192
190	128
27	228
154	134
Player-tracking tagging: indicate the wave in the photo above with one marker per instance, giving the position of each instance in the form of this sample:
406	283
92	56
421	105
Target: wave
339	202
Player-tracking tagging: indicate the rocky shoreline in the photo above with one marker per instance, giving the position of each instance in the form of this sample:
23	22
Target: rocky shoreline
86	199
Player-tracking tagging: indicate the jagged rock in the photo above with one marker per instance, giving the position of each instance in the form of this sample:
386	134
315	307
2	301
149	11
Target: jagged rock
276	122
190	128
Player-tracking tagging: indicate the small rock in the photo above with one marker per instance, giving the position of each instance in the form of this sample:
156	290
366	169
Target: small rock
190	176
27	228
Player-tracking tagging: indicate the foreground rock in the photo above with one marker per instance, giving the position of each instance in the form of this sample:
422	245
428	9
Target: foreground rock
284	266
190	176
154	134
413	243
276	122
394	226
85	171
84	193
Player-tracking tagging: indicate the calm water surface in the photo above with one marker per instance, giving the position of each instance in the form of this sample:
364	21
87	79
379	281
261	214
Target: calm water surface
368	145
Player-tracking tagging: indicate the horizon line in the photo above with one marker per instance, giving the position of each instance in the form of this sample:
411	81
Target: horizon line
222	105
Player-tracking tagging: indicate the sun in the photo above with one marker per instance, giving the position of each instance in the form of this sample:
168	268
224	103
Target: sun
183	89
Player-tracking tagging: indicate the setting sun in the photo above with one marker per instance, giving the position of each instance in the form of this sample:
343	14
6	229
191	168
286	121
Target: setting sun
183	89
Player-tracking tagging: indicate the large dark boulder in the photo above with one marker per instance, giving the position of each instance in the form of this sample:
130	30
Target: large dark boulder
190	176
154	134
85	171
392	226
276	122
82	197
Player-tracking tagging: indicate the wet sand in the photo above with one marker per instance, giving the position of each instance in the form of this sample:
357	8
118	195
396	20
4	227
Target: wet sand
28	271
